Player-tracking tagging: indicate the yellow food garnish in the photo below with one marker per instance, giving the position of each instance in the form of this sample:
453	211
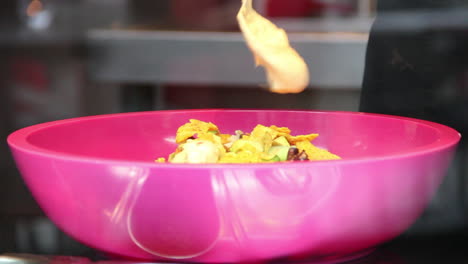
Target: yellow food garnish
294	139
282	131
194	127
286	70
217	140
160	160
246	156
264	135
315	153
225	138
202	142
243	156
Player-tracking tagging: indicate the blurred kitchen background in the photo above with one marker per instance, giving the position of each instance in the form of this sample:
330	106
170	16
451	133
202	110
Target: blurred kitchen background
69	58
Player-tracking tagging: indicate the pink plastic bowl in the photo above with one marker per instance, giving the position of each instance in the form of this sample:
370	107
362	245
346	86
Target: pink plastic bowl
96	180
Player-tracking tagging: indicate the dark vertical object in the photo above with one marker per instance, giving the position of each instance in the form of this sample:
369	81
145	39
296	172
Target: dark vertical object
7	19
5	123
7	234
8	13
7	224
406	73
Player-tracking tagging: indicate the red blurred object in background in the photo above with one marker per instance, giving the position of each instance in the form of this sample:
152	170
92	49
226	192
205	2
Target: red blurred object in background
305	8
187	12
290	8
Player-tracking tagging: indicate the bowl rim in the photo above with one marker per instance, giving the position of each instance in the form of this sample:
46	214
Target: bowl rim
18	140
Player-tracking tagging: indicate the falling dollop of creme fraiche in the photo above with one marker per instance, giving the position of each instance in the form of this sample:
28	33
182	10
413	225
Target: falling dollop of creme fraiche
286	70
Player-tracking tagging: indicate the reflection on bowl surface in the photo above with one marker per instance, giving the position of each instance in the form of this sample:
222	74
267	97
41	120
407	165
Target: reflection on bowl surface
96	179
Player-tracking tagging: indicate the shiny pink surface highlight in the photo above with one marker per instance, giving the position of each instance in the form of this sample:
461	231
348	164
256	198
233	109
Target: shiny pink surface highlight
95	178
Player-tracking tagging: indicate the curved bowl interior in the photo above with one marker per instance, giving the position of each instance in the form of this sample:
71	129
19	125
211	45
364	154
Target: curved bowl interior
96	179
143	136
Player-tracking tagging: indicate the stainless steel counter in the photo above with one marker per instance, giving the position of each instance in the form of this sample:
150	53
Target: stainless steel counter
335	52
336	60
